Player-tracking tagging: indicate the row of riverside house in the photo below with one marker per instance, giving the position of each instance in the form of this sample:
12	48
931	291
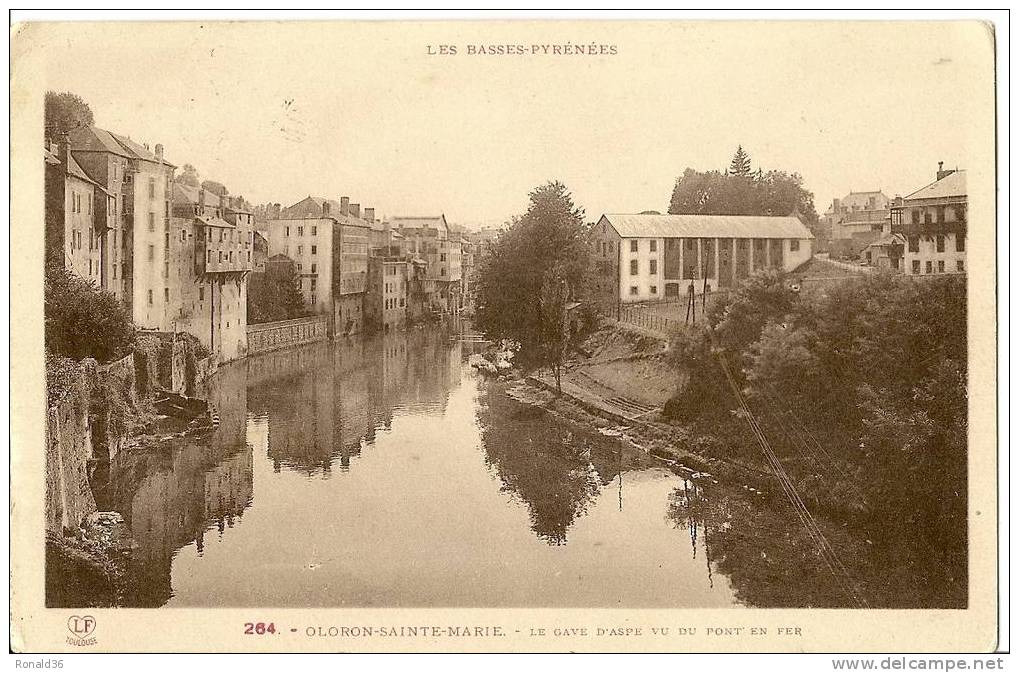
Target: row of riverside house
367	274
176	256
916	235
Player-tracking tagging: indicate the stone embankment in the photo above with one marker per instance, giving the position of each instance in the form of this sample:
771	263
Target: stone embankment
96	411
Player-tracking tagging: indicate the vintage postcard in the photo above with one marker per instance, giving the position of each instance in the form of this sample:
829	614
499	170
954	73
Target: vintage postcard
509	336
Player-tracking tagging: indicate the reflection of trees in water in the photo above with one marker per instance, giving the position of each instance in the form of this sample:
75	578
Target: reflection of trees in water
556	468
760	545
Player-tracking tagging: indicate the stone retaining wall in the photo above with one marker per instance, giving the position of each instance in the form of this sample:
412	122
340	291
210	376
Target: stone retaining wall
269	336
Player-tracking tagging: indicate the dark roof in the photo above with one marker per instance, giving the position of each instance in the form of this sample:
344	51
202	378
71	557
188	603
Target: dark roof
419	221
95	139
186	194
311	205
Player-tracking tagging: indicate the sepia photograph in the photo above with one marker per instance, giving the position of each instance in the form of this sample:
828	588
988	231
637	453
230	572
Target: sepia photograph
405	322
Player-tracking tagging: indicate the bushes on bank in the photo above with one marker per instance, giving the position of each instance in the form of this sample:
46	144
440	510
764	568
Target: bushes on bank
83	321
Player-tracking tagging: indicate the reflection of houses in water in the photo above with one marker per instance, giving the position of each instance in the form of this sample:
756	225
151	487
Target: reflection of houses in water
172	493
324	401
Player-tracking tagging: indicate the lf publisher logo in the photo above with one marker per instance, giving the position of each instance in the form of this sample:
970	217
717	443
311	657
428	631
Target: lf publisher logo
81	628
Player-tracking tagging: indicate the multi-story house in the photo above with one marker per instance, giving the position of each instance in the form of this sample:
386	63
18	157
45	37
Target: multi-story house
134	249
467	259
211	256
651	257
385	299
428	239
79	212
328	242
932	224
855	221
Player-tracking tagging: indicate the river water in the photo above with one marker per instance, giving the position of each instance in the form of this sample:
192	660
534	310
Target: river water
387	472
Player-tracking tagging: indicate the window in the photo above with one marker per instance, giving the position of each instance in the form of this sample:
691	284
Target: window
633	267
914	244
314	231
654	246
300	249
152	252
152	188
960	266
314	249
442	257
941	243
612	246
960	243
150	297
287	232
633	246
201	294
183	235
916	266
941	266
654	266
166	294
312	266
794	245
152	221
166	269
633	289
312	284
916	216
928	268
654	289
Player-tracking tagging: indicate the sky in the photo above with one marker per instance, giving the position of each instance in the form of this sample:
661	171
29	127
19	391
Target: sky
278	111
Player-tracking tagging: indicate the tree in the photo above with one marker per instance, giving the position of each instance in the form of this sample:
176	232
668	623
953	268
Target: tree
773	192
275	294
554	324
65	112
82	321
740	165
530	271
188	176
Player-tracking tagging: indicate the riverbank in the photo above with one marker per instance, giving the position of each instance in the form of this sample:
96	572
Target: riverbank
619	384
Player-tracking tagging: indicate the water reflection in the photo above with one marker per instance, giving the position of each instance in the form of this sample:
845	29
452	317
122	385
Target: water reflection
555	468
173	494
384	472
759	544
325	402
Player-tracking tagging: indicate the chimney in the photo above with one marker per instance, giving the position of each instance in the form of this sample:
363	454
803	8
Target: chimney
369	214
943	173
146	146
62	149
159	151
344	205
835	203
355	210
325	207
201	199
